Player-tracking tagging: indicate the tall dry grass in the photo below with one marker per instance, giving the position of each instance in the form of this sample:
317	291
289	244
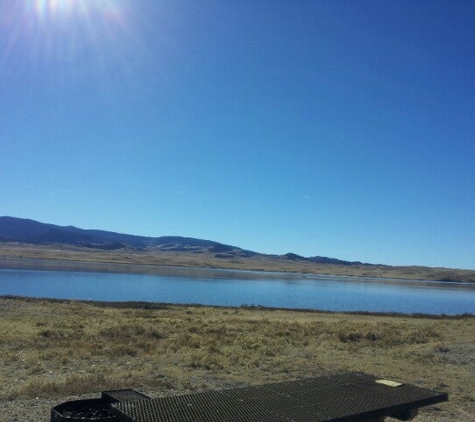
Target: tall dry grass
59	348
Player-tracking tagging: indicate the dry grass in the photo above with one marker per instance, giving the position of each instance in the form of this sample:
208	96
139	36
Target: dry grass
59	348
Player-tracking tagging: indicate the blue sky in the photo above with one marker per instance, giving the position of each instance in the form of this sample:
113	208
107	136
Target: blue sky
338	128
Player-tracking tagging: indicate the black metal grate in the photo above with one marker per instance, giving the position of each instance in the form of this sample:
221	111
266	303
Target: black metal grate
342	398
114	396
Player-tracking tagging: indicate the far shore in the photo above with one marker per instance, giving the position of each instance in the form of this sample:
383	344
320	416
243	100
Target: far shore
59	257
125	268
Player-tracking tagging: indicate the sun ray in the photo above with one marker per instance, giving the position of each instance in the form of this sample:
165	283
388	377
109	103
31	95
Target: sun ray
68	42
53	24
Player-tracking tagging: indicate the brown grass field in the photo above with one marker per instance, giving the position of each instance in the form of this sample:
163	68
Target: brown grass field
52	351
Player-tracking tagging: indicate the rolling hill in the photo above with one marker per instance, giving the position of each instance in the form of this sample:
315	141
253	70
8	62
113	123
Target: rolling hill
33	232
24	238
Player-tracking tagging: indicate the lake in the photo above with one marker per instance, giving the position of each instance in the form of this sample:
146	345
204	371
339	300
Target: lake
237	288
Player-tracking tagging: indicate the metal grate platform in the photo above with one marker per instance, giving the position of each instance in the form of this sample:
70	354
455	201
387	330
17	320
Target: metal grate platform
341	398
114	396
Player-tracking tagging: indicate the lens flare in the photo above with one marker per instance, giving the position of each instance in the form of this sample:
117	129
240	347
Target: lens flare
74	40
55	7
67	9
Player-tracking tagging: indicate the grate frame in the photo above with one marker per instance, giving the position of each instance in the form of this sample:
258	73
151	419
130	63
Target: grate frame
114	396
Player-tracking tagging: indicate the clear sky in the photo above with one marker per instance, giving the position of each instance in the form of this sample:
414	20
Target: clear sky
339	128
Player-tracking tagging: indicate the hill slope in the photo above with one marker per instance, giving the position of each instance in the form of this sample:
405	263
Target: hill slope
33	232
23	230
23	238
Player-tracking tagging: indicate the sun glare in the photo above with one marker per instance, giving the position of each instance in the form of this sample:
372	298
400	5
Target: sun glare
75	39
61	33
51	7
77	9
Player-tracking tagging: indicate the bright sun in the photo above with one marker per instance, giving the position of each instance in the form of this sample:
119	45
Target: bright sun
72	38
61	33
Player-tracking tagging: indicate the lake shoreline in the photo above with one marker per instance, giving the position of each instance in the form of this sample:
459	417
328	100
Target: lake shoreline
144	305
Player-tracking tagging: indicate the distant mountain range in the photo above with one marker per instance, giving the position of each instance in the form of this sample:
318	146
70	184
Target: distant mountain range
22	230
22	238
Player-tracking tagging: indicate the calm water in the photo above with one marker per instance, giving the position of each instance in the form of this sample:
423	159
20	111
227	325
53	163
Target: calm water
236	288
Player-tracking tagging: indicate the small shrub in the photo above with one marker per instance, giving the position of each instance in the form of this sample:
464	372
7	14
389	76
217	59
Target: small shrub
349	337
